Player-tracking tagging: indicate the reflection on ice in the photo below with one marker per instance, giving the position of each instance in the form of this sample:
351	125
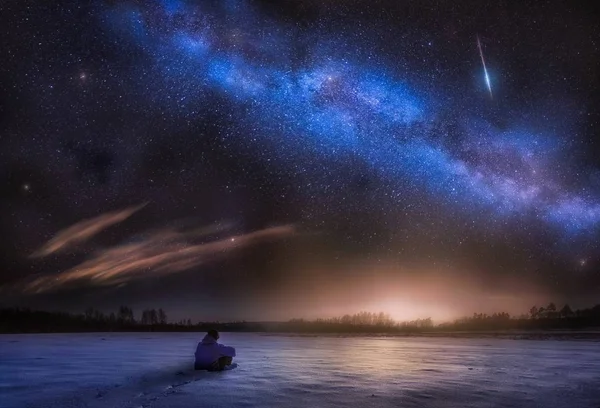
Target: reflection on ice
127	369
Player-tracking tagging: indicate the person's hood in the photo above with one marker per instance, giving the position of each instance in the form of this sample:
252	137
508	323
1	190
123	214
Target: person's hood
208	339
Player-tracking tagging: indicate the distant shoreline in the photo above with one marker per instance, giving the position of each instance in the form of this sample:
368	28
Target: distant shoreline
589	335
565	335
543	323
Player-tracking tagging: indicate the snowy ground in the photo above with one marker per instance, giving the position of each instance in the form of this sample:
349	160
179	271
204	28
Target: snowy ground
153	370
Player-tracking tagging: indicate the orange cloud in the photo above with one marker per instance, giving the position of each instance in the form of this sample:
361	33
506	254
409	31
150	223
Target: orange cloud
84	230
163	252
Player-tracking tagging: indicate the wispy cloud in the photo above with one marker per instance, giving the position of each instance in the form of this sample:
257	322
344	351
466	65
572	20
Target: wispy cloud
84	230
164	252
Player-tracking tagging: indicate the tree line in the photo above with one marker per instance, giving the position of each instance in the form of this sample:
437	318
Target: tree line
28	321
19	320
539	318
362	321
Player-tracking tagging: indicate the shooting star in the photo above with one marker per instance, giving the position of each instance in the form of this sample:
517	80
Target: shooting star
487	77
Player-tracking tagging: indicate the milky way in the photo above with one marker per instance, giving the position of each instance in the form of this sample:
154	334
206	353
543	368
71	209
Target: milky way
337	103
367	125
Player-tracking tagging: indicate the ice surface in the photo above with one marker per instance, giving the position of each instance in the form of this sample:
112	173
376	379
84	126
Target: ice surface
155	370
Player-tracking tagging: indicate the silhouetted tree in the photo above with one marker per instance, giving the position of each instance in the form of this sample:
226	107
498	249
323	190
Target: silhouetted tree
541	312
551	310
145	320
99	316
162	316
153	317
566	312
126	315
89	313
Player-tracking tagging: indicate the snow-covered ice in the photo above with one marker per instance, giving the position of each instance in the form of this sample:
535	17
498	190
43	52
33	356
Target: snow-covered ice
155	370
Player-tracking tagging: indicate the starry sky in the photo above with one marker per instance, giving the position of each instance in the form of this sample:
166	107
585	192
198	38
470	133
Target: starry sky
273	159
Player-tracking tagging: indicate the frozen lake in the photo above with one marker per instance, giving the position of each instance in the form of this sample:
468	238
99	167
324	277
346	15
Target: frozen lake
154	370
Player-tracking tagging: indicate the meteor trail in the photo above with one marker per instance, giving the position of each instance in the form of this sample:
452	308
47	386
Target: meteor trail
487	77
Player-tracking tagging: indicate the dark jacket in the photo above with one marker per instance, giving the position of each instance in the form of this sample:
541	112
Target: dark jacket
209	351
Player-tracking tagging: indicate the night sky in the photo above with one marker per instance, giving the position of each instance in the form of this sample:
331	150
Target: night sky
274	159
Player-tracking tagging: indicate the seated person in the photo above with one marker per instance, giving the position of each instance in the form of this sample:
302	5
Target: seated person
211	355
